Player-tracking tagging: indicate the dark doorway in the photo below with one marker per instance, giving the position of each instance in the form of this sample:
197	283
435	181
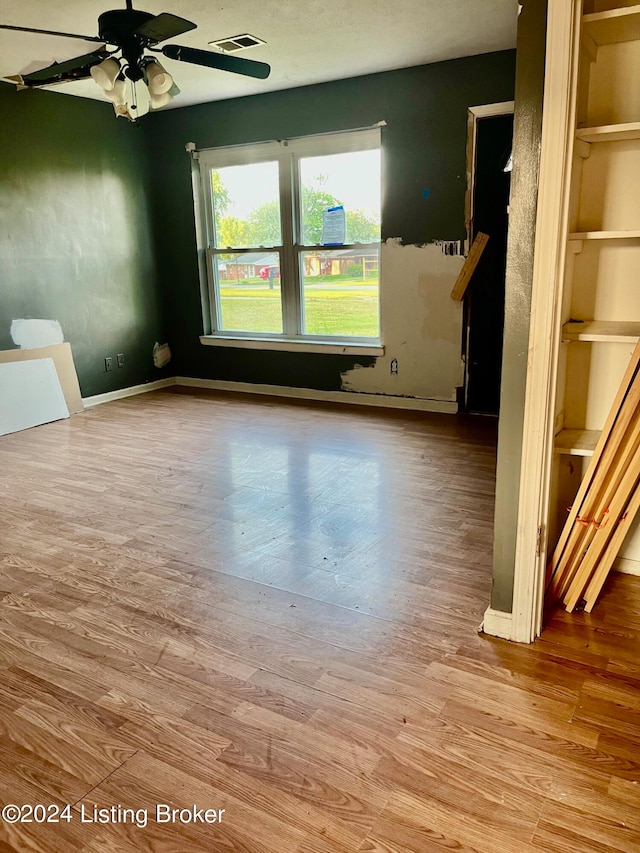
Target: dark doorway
484	304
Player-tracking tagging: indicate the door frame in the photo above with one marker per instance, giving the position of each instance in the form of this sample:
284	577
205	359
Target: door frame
524	623
474	115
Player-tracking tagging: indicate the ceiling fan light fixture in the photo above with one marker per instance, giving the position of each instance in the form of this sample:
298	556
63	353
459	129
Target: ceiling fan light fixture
158	101
123	111
118	94
121	60
106	73
159	81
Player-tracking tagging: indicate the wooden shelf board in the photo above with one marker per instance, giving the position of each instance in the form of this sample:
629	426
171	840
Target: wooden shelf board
614	26
605	235
576	442
612	331
609	132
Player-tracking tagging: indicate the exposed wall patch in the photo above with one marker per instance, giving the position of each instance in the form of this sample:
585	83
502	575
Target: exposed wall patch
30	334
161	354
451	247
422	326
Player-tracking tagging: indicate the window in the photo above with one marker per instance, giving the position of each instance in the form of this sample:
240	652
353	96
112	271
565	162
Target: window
292	239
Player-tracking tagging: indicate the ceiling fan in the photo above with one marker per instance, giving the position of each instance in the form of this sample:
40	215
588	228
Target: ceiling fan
118	69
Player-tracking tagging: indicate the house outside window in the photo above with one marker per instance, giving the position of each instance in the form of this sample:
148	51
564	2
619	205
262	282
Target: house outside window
291	236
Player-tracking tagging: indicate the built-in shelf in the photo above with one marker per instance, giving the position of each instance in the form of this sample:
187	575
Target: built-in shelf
605	235
609	132
613	331
576	442
614	26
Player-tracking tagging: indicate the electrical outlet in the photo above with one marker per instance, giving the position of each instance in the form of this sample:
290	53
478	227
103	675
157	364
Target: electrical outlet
120	359
108	364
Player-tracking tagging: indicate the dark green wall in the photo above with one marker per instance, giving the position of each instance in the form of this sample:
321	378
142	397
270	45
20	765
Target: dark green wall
424	143
81	195
75	234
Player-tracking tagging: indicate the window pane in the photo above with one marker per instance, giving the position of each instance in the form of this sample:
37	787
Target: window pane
249	287
340	290
351	180
246	206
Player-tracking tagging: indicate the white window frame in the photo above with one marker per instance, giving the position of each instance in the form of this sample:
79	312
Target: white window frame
287	153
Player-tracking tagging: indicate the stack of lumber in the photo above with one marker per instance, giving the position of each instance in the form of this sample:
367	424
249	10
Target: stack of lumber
606	504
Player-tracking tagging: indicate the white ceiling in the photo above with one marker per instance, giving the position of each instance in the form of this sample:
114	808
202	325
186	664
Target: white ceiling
308	41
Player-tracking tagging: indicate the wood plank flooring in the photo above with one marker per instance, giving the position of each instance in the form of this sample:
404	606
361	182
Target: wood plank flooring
271	608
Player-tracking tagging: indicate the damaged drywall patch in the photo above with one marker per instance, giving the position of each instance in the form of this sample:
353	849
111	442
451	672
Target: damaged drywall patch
30	334
451	247
161	354
421	325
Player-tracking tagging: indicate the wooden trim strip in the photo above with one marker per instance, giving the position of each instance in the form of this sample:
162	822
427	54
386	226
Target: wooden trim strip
468	268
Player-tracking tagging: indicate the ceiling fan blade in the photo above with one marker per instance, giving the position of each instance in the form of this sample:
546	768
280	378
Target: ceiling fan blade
164	26
248	67
61	69
49	33
68	77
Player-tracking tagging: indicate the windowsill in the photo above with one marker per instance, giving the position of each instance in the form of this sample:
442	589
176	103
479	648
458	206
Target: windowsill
293	345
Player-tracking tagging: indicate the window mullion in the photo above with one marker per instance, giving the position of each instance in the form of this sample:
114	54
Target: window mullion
214	295
289	270
214	290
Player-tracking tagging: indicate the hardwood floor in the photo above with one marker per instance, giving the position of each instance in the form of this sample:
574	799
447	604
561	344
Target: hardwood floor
271	608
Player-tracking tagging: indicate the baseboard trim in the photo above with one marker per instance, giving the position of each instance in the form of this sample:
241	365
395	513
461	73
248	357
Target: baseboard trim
131	391
627	567
414	404
497	623
351	397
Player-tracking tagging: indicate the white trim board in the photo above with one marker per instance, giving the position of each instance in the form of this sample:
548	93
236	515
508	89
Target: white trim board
291	345
353	397
497	623
504	108
131	391
626	566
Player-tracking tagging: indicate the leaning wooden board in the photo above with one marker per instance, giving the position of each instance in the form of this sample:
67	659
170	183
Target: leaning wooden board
595	512
613	548
620	414
606	503
469	266
603	536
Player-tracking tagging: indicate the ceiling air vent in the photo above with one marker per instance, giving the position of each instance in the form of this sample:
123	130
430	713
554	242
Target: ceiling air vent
235	43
